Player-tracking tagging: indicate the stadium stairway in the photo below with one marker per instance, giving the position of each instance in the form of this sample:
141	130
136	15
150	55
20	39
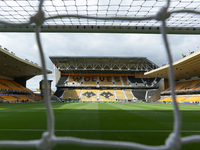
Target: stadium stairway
62	80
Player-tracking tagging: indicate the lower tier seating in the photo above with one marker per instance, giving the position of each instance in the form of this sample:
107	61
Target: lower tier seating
129	94
182	99
16	98
107	95
71	94
89	95
120	95
97	94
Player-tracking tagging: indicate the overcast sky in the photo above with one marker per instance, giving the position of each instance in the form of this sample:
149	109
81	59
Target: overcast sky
94	44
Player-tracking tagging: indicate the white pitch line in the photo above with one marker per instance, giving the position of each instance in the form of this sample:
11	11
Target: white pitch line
144	131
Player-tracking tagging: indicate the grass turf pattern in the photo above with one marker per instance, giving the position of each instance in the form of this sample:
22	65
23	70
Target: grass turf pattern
145	123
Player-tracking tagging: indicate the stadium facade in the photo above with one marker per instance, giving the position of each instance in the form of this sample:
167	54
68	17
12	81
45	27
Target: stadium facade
105	79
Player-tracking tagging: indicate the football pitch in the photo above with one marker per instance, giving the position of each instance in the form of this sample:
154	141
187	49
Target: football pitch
145	123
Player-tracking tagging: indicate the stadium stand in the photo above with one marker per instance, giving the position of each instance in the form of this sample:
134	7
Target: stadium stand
139	94
12	91
151	93
71	94
59	92
107	95
148	81
193	99
178	99
62	80
90	81
74	80
134	80
105	81
192	86
13	76
17	98
129	94
89	95
125	81
117	81
120	95
9	98
12	85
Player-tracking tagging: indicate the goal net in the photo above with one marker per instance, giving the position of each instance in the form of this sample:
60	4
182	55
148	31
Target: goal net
103	16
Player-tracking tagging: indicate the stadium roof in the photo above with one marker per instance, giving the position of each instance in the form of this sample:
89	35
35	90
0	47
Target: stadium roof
15	67
126	65
187	67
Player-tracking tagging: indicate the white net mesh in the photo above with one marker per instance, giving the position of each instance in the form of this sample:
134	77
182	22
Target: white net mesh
101	13
68	15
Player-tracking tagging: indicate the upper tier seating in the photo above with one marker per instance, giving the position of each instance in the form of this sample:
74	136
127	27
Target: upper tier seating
105	81
134	80
117	81
76	79
187	86
143	81
148	81
125	81
90	81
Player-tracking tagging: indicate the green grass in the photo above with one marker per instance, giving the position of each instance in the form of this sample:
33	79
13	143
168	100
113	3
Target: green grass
135	122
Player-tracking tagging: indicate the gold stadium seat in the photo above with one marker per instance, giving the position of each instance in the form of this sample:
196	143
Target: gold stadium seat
125	81
105	81
106	95
193	99
11	85
75	79
9	98
72	94
128	94
169	99
117	81
89	95
120	94
90	81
